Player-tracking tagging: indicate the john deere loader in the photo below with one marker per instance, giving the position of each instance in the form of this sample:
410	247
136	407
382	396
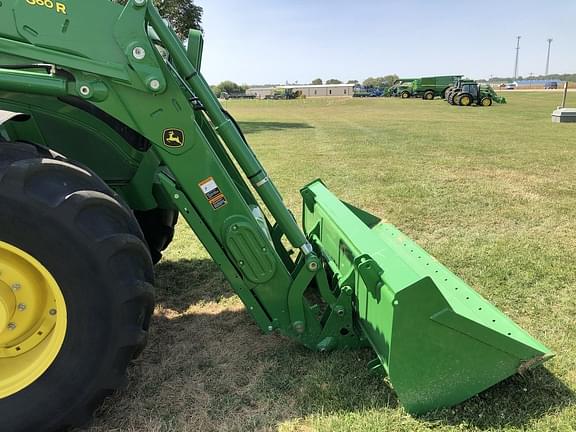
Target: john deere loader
109	133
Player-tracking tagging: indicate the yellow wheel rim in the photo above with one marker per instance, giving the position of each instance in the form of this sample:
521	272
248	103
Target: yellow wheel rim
486	102
465	101
32	319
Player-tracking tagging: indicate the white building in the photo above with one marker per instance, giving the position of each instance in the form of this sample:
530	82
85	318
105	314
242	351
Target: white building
260	92
323	90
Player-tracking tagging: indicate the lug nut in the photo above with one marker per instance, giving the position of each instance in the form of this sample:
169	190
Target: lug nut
21	307
16	286
52	312
12	326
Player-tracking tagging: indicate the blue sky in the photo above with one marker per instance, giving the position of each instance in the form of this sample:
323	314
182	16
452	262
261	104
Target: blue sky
273	41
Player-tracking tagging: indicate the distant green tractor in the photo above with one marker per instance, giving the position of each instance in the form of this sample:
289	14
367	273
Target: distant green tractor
453	90
468	92
400	87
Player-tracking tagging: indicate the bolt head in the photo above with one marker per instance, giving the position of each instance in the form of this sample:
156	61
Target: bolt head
138	53
154	85
299	327
313	266
85	90
139	3
21	307
15	286
12	326
52	312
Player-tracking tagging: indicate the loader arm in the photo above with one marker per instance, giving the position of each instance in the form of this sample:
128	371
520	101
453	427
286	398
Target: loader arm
354	282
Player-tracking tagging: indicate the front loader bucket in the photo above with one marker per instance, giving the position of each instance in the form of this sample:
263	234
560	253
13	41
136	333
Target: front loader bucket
438	340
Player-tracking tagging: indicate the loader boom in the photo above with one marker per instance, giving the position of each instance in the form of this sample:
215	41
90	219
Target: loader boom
122	95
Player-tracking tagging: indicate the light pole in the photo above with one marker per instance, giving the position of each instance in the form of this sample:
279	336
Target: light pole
517	55
548	57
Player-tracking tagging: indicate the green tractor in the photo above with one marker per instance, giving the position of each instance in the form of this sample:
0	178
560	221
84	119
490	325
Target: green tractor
468	92
109	132
400	88
286	93
454	89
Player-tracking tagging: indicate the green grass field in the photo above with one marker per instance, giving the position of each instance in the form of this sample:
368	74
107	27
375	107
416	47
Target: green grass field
491	192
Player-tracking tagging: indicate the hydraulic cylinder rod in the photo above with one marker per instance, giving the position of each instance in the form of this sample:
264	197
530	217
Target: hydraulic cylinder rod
229	133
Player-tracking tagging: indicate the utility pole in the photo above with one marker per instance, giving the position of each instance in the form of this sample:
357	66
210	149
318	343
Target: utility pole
517	55
548	56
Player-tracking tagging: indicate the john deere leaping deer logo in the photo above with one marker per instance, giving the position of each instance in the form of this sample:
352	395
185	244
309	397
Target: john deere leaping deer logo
173	137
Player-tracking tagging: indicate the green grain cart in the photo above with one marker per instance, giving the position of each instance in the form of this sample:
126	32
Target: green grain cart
109	133
429	88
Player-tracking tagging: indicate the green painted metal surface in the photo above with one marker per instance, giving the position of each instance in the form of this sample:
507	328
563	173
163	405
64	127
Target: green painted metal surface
434	85
437	339
137	110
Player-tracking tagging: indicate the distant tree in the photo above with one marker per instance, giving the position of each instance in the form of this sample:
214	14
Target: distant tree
352	82
182	14
333	81
391	78
380	82
229	87
371	82
317	81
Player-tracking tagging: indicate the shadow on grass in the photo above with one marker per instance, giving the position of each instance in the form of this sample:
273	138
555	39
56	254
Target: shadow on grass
213	370
250	127
186	282
514	402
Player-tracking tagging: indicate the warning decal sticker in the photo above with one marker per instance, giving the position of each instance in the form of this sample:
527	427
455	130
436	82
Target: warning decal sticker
213	193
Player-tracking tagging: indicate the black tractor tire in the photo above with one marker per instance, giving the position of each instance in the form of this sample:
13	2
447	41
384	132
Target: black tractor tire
428	95
486	101
76	227
464	99
158	228
405	95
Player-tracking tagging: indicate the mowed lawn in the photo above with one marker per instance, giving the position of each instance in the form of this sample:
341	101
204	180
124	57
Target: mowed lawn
490	192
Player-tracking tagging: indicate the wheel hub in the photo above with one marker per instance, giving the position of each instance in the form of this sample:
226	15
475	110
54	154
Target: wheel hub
32	319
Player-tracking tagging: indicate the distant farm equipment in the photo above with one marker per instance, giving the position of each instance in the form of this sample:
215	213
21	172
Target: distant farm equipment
469	92
427	88
362	92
